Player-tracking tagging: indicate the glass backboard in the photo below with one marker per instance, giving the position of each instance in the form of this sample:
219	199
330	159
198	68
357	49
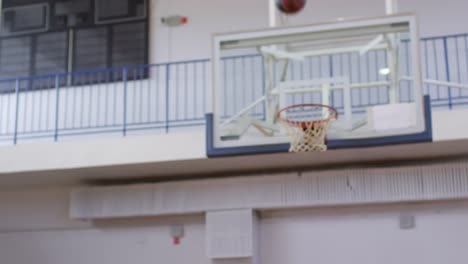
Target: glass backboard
367	69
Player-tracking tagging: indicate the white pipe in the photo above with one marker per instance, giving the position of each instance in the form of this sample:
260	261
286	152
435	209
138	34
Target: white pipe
391	7
281	54
331	87
441	83
336	50
370	84
450	84
272	13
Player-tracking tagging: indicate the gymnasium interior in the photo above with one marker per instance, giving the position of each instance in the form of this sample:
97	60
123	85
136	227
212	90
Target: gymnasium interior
233	132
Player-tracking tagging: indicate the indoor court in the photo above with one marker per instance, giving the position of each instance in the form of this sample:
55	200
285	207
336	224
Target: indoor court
233	132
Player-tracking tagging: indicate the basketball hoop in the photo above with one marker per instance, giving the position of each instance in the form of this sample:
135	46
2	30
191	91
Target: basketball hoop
307	125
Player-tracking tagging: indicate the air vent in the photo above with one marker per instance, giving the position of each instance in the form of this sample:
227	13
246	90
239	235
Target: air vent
111	11
230	234
25	19
310	189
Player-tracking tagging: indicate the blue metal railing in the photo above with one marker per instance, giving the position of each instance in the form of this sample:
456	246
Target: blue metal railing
117	100
165	96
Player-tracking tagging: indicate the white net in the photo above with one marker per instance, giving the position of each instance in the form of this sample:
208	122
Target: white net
307	126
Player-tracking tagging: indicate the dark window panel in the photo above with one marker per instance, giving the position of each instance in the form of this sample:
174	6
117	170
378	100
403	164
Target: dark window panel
91	49
129	44
15	57
51	53
95	46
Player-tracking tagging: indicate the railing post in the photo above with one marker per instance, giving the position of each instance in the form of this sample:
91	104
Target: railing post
447	72
124	122
331	73
57	105
168	75
17	89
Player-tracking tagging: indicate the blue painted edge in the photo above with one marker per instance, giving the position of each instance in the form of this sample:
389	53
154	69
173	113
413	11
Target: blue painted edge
425	136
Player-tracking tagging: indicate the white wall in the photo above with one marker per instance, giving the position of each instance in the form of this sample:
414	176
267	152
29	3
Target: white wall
366	235
101	151
447	125
148	244
206	17
436	17
34	228
36	209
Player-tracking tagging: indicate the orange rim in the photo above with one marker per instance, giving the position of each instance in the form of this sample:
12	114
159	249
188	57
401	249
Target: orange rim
303	124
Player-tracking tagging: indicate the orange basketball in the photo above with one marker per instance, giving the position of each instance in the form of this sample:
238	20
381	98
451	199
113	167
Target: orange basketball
290	6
